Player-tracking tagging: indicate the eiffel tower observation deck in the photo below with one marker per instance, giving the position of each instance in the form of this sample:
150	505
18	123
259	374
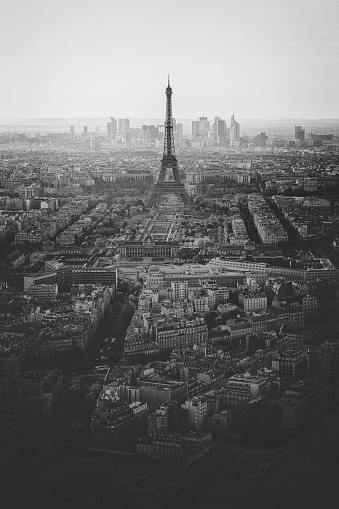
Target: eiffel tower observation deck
168	180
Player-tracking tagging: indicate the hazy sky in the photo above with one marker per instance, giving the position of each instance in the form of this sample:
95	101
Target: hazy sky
256	58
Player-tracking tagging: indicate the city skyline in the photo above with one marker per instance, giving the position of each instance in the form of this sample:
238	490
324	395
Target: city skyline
259	60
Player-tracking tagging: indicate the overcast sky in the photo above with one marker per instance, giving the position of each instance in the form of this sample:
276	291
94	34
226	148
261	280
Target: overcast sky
256	58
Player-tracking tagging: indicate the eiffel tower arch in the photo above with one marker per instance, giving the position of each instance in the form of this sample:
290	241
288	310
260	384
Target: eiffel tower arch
168	180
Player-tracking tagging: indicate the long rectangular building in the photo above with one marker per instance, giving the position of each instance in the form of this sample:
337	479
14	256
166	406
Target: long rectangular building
69	275
318	269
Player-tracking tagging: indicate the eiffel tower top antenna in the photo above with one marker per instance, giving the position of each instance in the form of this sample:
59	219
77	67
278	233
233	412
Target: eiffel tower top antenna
169	150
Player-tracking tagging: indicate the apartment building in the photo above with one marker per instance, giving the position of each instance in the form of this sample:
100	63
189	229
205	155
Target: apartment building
269	228
217	295
196	411
292	364
252	301
310	307
161	445
180	333
117	424
179	290
202	304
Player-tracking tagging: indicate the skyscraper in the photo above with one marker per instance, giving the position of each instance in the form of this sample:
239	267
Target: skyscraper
234	131
261	139
123	124
200	128
114	125
204	126
112	128
180	130
299	133
146	137
85	131
195	129
109	131
71	131
128	139
153	130
220	132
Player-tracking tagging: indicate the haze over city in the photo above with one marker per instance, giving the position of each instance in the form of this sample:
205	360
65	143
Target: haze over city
258	59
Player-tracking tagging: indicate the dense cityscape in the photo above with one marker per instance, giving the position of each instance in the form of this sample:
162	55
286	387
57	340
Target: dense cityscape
169	314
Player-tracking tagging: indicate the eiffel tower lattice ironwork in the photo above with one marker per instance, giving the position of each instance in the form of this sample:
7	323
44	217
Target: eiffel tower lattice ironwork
168	180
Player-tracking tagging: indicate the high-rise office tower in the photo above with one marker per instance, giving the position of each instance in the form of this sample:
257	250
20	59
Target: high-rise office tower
137	133
204	127
114	125
195	129
220	132
234	131
109	131
200	128
123	124
146	137
180	130
261	139
71	131
161	131
153	130
112	128
85	131
128	139
299	133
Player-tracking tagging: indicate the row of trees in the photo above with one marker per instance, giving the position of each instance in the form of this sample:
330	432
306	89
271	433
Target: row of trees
215	186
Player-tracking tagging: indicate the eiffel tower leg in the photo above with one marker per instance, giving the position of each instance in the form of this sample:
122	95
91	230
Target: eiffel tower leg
185	200
151	200
180	193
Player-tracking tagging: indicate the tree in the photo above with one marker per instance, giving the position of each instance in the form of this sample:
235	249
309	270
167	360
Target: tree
211	319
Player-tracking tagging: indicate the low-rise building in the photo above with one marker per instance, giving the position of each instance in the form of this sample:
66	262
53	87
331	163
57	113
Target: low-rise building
43	292
161	445
253	385
303	403
221	423
292	364
117	424
252	301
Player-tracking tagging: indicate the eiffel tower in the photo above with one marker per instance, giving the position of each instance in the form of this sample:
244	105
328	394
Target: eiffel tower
168	180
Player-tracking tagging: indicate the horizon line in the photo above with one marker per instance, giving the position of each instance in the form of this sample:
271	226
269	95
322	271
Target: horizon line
155	117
